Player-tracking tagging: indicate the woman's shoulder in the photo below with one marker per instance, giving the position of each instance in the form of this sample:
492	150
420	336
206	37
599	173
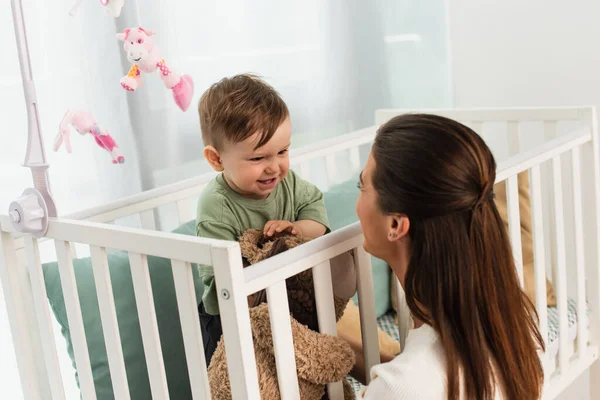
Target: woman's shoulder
419	372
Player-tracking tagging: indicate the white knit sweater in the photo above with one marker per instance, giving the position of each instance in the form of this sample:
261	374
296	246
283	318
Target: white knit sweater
419	372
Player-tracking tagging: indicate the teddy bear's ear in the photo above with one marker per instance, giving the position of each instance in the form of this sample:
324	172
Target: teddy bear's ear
279	246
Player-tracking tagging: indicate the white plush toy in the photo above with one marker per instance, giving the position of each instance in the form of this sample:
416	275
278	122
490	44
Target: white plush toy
111	7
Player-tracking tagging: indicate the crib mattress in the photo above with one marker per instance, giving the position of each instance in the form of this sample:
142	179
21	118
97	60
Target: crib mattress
386	323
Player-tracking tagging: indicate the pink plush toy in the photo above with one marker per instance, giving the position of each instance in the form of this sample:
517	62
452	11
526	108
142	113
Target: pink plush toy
111	7
84	123
145	56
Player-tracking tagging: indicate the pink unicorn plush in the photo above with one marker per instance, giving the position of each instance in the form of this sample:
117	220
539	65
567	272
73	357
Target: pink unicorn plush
145	56
84	123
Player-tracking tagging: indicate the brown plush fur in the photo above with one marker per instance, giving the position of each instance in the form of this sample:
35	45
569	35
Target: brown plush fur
320	358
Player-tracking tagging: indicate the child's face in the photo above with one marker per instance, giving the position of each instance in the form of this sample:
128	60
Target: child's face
254	173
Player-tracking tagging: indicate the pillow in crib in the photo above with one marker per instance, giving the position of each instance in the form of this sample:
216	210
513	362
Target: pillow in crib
167	316
340	202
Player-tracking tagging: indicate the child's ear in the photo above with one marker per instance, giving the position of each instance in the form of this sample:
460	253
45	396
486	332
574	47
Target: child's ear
214	158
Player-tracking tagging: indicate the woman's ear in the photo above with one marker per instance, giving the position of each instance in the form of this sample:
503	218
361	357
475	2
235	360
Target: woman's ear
398	228
214	158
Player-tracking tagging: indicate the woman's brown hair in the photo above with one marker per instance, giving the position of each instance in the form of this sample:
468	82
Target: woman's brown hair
461	278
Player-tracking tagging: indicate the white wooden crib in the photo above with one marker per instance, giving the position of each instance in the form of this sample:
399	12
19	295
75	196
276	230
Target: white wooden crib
558	146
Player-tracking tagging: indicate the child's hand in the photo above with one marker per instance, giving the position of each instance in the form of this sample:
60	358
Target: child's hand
273	227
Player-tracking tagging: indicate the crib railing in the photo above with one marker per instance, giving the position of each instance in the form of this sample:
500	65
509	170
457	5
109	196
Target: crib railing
32	329
145	208
22	278
564	181
30	315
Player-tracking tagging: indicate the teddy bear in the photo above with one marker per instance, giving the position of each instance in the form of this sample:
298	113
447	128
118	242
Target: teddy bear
320	358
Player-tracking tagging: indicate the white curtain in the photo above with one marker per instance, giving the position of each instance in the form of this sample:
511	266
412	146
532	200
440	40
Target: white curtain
334	62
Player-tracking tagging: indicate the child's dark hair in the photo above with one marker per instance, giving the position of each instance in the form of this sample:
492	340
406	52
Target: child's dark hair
237	107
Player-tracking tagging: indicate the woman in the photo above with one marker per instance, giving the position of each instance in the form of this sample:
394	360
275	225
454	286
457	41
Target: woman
426	207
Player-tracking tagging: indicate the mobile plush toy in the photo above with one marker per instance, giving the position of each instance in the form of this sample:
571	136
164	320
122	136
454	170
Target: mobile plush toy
145	56
111	7
84	123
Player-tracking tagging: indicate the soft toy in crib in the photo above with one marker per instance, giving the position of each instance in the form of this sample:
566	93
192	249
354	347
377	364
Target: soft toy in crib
145	57
111	7
84	123
320	358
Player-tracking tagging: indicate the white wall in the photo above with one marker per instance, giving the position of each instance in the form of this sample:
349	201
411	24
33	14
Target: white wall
526	53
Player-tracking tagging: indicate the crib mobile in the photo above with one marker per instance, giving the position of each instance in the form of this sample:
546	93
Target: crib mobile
29	213
84	123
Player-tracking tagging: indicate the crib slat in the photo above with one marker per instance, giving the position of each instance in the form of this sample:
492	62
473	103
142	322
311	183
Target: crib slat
560	272
283	343
514	223
190	327
305	170
326	314
331	169
23	334
538	249
73	308
73	251
403	312
550	133
184	210
110	326
354	153
582	325
366	302
235	320
43	315
513	137
324	298
147	219
148	325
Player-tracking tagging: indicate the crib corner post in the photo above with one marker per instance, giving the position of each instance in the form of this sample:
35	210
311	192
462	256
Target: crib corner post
235	321
24	329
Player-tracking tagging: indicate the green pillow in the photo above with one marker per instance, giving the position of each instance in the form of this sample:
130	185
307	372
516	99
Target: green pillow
167	316
340	202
